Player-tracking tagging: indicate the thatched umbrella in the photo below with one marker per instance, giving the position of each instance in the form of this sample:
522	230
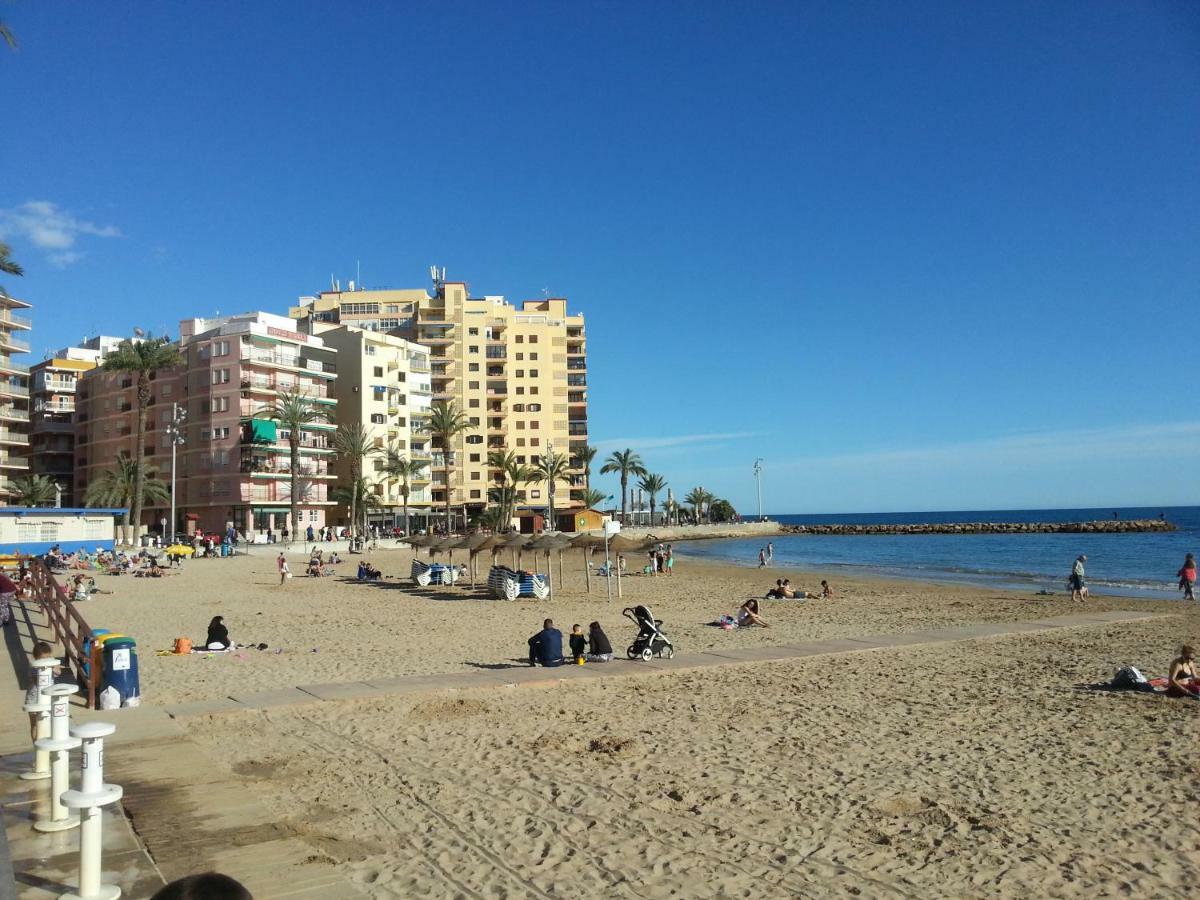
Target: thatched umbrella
516	542
551	542
475	543
587	543
422	541
446	545
622	544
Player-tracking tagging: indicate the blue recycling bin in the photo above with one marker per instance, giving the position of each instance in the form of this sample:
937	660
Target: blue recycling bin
225	549
87	649
121	667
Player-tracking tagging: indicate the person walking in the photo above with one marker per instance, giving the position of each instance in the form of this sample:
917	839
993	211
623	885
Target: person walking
770	551
282	565
762	557
1187	577
1078	586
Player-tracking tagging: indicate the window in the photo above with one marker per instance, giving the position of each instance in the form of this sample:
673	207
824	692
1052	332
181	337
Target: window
520	426
473	367
312	515
473	332
533	357
368	349
533	339
221	433
520	356
474	348
474	457
220	404
473	385
520	339
360	309
205	434
521	460
96	529
378	419
520	390
520	373
518	407
533	373
474	476
166	390
474	420
474	495
533	426
520	442
474	404
389	323
533	390
535	494
204	406
533	442
221	348
378	371
474	439
535	407
220	376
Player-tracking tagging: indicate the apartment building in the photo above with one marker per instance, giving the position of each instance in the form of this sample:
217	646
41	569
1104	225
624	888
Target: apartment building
233	467
14	393
383	383
518	372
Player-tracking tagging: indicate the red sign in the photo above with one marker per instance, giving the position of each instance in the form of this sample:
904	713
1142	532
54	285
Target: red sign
290	335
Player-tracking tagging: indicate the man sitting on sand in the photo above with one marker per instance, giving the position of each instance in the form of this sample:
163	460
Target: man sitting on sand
367	572
545	647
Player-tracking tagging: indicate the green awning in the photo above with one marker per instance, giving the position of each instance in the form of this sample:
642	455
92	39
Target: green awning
263	431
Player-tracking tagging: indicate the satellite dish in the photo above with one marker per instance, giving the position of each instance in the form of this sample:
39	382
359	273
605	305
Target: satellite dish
137	332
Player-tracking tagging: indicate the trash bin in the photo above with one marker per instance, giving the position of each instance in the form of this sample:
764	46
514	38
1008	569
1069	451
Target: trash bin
100	634
224	550
121	668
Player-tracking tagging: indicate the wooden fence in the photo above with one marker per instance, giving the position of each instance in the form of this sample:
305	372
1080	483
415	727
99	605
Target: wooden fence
70	630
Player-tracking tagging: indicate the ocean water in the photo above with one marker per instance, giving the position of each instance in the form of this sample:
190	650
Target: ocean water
1135	565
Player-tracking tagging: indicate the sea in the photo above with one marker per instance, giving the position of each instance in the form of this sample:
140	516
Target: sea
1132	565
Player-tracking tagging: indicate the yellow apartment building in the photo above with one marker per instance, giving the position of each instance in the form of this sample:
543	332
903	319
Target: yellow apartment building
383	383
14	394
518	372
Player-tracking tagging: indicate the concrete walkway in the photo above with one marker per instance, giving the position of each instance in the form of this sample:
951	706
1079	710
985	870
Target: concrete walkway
183	814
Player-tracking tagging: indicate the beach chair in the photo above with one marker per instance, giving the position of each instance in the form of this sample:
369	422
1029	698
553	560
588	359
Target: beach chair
439	574
421	574
503	583
537	586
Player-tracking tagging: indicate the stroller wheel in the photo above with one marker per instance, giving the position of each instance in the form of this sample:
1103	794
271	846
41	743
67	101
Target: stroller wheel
633	651
647	654
667	651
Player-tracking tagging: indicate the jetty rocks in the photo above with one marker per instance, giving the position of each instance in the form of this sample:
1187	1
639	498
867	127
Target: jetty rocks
1108	526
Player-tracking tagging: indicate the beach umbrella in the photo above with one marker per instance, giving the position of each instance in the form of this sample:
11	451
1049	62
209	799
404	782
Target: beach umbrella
550	543
422	541
587	543
623	544
516	542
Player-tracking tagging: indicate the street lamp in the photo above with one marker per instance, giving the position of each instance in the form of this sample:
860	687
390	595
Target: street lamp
549	486
758	481
176	434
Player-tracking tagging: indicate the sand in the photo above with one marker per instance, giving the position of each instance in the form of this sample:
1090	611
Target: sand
958	770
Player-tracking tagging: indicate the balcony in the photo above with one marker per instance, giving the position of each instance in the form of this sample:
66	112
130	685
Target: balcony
13	343
497	389
9	389
576	364
577	429
7	315
496	353
7	365
14	462
8	436
13	414
577	380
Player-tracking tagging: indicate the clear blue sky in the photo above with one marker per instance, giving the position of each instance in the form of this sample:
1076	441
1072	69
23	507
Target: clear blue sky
914	255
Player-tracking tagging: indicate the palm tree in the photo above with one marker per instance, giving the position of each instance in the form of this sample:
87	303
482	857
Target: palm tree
551	467
653	485
142	359
354	444
697	499
115	487
583	460
8	265
292	411
358	496
492	519
627	463
591	498
398	466
445	424
32	490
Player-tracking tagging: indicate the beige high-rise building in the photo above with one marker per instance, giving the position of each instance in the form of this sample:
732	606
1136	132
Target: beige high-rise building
383	383
14	395
518	373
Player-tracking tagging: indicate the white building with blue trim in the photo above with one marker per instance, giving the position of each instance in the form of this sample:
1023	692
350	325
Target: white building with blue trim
34	530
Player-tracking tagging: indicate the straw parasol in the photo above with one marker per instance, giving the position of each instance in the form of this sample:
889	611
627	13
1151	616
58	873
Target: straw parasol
475	543
422	541
549	543
622	544
587	543
516	542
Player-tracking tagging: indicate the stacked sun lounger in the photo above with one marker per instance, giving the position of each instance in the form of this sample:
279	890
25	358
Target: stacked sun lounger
420	573
508	584
425	574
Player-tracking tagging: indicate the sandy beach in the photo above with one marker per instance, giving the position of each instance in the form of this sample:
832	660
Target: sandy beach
968	769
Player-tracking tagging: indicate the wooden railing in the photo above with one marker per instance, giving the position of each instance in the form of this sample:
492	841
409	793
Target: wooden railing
70	630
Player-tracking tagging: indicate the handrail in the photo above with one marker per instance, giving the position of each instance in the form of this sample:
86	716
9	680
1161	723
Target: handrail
70	629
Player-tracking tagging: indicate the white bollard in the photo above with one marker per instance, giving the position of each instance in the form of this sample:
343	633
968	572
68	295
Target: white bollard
60	744
93	793
44	670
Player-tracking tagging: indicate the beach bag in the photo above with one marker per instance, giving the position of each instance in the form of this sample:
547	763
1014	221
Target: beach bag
1129	677
183	645
110	698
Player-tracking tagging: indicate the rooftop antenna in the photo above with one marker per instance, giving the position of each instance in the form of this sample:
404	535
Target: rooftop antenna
358	273
332	283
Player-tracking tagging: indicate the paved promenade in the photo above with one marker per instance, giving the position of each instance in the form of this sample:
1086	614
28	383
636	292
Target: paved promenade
182	813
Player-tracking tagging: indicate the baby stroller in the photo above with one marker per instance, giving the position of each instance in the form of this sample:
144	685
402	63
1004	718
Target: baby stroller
650	641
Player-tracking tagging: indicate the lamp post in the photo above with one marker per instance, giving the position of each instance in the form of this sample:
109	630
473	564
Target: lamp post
549	489
758	483
176	434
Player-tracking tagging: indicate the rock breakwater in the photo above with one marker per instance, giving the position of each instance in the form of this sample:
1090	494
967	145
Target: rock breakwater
1109	526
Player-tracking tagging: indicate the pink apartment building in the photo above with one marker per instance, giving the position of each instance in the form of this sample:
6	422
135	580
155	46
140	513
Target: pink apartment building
233	467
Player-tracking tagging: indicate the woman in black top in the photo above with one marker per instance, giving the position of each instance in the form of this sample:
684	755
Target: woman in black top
598	644
218	634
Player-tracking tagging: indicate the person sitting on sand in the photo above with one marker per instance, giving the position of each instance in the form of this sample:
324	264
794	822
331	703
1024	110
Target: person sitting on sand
748	615
826	590
545	647
599	648
1182	680
367	572
218	634
314	568
334	559
578	643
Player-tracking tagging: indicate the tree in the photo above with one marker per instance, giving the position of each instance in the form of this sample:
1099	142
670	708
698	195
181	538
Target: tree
292	411
653	485
592	498
445	424
404	469
551	467
354	444
512	474
357	495
627	463
698	499
8	265
492	519
115	486
142	359
32	490
583	460
721	511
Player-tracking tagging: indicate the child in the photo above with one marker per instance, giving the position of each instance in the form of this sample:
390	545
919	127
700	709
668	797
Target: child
41	650
578	643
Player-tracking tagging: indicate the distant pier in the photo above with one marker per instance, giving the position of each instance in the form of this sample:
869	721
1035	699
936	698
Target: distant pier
1108	526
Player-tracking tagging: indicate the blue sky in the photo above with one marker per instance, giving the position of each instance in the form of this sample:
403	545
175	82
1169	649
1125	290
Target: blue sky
913	255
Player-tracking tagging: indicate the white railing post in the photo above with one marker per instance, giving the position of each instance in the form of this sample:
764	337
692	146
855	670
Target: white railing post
93	794
60	744
44	670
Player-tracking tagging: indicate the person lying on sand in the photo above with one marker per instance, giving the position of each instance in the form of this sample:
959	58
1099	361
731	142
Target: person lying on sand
1182	680
748	615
